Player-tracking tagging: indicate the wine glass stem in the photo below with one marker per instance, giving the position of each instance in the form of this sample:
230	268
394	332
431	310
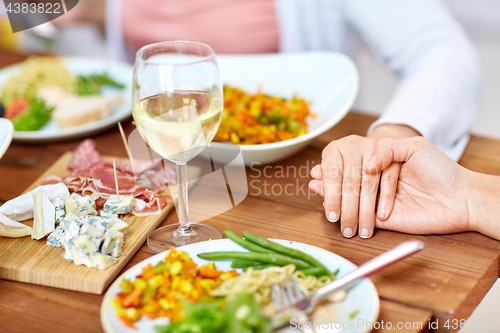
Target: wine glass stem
182	203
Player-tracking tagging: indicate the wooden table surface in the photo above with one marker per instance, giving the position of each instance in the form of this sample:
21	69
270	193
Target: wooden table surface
446	281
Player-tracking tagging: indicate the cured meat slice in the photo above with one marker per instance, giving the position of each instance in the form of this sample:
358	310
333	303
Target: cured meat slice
85	156
93	177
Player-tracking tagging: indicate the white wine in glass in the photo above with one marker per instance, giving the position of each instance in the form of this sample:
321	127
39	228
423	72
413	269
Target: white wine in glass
177	106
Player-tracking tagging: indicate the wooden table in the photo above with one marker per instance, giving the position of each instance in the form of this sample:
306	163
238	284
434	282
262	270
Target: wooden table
444	282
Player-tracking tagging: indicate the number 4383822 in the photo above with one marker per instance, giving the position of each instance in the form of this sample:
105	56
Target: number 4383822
476	324
47	8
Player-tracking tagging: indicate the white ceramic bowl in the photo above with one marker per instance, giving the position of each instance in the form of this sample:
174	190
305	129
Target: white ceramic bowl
328	79
6	133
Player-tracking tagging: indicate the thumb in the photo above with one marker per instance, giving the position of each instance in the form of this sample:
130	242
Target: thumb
390	151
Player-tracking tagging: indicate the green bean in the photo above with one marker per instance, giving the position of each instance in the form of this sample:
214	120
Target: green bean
246	244
245	263
264	242
276	259
258	267
317	271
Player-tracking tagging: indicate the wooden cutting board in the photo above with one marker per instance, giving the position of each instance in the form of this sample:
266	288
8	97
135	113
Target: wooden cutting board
32	261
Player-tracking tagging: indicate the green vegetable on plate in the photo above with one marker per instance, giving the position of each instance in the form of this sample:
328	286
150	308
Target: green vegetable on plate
246	244
92	84
277	259
264	242
241	314
37	116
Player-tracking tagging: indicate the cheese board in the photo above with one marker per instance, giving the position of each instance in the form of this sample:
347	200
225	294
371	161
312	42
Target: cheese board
31	261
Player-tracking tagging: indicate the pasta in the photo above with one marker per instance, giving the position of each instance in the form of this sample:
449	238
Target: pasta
37	72
259	282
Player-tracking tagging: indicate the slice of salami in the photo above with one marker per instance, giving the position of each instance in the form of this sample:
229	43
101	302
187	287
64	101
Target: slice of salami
86	156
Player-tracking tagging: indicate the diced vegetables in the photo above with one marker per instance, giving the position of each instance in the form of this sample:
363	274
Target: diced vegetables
260	118
161	290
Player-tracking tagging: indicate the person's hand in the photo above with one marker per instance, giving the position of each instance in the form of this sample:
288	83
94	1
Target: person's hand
350	195
432	192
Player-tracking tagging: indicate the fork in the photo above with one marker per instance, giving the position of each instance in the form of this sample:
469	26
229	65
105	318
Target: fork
283	299
295	306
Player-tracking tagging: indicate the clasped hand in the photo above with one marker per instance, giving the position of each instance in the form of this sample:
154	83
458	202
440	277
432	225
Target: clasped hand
370	187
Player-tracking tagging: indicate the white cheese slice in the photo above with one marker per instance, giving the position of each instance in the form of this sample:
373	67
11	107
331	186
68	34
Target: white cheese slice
123	206
45	216
11	228
22	207
78	205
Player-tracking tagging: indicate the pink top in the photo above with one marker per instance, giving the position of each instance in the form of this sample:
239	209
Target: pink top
229	26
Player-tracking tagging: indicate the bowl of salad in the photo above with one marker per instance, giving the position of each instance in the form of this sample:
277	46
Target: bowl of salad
276	104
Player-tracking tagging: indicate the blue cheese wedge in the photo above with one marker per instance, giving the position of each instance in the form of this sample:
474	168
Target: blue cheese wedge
71	228
101	261
120	225
106	221
91	235
104	214
78	205
59	204
45	215
55	237
113	242
123	206
112	221
75	253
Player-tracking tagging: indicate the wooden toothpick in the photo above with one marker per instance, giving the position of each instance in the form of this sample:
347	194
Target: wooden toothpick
116	181
122	133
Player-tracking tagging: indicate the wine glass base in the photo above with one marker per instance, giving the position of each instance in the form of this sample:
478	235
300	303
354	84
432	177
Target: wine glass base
162	239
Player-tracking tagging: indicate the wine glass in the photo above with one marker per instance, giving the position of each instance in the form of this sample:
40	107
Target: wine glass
177	107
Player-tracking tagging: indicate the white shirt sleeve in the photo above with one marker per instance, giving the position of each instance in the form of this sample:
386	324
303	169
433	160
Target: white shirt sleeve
439	68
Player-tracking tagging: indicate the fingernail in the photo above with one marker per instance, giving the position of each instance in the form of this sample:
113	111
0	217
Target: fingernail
370	162
382	213
315	171
364	233
348	232
323	204
333	217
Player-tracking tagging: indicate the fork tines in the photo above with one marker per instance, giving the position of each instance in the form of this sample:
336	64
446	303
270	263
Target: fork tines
283	298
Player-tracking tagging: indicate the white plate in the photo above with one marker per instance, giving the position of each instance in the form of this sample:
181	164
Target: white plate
119	71
6	131
327	79
362	297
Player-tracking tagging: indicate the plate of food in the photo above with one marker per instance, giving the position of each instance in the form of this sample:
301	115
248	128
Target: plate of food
51	98
221	286
276	104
